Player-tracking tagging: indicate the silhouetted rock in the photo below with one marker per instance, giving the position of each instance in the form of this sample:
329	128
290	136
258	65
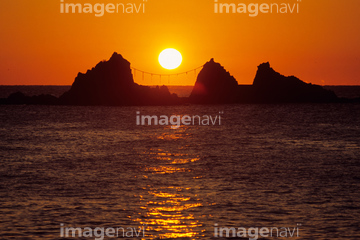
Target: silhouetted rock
19	98
44	99
111	83
272	87
214	85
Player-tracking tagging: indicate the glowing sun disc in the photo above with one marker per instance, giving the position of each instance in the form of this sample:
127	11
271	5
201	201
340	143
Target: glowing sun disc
170	58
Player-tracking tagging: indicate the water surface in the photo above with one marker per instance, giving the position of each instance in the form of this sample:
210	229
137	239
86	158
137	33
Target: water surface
265	166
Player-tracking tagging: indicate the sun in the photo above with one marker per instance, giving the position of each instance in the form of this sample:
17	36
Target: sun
170	58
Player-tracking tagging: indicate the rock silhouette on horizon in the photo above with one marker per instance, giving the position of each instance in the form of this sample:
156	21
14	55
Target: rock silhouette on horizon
272	87
111	83
215	85
19	98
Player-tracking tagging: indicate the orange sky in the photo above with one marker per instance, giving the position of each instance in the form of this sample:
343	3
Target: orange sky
41	46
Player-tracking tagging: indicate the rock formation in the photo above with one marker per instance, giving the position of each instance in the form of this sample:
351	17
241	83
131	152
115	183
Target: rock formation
111	83
215	85
19	98
272	87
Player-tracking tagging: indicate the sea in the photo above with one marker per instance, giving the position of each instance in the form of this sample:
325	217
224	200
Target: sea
293	169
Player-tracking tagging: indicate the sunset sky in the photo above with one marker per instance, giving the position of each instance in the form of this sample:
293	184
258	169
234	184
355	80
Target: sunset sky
41	46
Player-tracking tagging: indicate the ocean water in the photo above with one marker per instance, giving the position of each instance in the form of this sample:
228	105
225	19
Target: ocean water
264	166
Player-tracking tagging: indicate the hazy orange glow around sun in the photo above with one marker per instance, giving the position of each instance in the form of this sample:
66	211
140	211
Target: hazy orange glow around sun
41	46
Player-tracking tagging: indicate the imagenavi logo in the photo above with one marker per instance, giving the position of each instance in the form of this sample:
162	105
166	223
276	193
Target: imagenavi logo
178	120
253	9
99	9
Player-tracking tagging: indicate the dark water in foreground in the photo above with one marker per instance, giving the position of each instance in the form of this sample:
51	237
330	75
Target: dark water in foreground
265	166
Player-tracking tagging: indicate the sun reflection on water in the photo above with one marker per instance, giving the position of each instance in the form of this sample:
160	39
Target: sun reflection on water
170	207
167	216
